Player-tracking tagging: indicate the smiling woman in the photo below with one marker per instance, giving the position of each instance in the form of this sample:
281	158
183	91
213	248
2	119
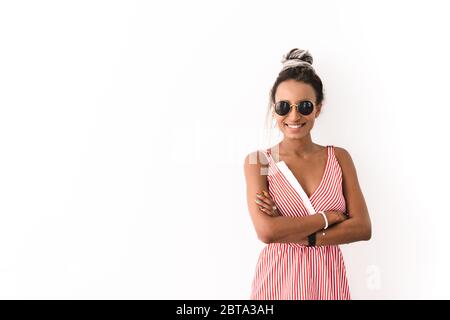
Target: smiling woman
304	199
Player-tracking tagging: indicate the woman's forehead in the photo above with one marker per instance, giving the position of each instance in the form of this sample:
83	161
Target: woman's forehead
294	91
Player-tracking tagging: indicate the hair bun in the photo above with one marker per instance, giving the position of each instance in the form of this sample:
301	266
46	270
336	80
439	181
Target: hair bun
298	54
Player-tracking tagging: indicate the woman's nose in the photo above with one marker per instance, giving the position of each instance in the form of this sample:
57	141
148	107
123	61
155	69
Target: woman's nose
293	113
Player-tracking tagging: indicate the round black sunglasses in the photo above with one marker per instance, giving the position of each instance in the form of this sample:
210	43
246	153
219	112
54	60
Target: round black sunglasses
283	107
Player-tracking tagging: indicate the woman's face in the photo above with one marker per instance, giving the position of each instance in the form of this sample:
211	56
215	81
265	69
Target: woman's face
295	91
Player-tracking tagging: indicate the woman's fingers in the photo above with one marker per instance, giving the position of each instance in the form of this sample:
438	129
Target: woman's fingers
266	199
263	204
266	203
270	213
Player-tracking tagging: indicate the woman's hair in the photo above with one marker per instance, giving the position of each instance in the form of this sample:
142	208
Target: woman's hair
297	65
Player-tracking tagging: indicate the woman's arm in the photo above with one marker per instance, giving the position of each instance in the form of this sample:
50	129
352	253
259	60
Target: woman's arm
358	226
342	233
297	229
273	229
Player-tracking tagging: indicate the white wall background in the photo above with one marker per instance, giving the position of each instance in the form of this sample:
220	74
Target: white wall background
124	126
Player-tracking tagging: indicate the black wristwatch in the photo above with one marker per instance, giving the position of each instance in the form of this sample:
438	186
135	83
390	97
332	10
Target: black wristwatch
312	240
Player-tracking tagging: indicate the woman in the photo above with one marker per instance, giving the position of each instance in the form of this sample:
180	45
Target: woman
304	199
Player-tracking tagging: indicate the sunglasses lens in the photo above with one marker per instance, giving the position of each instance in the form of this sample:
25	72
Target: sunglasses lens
305	107
282	108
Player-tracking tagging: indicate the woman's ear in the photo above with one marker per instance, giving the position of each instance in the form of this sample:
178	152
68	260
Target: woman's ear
319	108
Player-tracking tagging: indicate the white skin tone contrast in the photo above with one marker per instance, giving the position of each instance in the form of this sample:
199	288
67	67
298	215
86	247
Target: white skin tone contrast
306	160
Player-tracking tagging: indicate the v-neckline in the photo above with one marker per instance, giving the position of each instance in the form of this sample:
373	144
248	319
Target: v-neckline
298	182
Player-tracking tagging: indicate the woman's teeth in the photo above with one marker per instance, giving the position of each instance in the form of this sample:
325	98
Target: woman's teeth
295	126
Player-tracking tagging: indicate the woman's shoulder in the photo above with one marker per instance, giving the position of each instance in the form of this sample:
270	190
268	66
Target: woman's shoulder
256	157
343	157
256	164
340	152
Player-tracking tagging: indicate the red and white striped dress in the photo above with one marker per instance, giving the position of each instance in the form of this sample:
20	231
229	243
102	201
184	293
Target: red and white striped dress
292	271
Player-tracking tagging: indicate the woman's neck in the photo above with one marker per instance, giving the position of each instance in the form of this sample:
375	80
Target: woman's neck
297	147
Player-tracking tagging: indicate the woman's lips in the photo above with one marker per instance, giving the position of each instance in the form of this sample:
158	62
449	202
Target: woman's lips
294	127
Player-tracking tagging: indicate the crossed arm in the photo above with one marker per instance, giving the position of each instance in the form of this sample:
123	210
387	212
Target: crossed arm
355	227
350	230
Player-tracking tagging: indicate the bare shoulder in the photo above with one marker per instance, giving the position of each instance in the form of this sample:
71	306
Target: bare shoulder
345	161
256	169
256	159
342	154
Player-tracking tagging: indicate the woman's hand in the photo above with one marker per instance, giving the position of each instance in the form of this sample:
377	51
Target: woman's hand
334	217
266	204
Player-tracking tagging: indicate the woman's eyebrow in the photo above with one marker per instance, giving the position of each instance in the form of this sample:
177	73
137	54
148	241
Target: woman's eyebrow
304	99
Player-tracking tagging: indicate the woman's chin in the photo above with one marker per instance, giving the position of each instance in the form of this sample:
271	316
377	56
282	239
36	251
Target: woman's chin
293	135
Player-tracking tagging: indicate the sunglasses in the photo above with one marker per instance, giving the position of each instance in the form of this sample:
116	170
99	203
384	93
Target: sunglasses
283	107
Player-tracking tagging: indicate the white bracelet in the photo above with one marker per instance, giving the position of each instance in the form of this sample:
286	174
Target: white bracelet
325	217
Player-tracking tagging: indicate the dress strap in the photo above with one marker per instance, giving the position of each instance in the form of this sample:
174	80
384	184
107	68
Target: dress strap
268	155
331	153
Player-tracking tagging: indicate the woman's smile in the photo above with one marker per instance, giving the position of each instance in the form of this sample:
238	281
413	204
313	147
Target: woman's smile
294	127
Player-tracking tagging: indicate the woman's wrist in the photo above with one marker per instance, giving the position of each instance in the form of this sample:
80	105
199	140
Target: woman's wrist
334	217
